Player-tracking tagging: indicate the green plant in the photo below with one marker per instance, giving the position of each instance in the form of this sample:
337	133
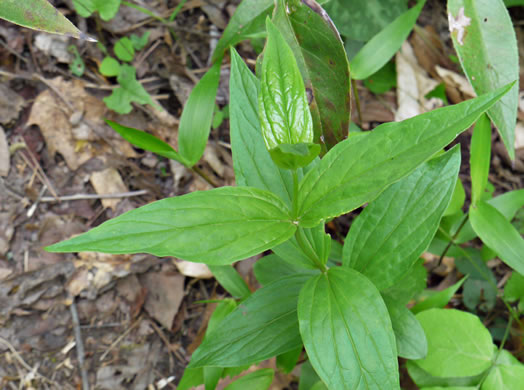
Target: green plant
295	171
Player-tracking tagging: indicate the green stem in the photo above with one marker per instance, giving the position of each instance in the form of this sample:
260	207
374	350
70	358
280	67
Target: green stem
357	101
452	239
203	175
294	210
177	10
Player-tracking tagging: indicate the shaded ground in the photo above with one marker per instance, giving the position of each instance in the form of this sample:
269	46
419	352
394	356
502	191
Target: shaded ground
135	314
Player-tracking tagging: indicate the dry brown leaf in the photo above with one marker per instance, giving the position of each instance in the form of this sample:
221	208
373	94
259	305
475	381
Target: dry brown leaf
456	80
108	181
4	154
194	270
414	85
10	104
165	294
56	122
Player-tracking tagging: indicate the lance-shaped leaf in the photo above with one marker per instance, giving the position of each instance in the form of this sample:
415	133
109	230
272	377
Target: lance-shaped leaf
461	347
284	114
146	141
499	234
394	230
322	61
379	50
262	326
39	15
218	227
347	332
197	116
231	280
410	337
480	156
485	42
356	170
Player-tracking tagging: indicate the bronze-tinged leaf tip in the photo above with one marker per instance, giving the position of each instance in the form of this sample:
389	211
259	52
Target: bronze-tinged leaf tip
84	37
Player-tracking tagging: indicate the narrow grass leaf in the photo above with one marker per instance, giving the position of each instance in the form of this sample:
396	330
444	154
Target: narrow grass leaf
146	141
379	50
458	343
216	227
258	380
394	230
230	279
484	38
195	123
359	168
264	325
499	234
438	299
347	332
480	156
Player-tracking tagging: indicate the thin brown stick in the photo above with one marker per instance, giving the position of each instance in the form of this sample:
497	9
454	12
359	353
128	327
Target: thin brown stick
94	196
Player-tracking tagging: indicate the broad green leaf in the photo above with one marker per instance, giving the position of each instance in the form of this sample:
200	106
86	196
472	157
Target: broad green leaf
264	325
258	380
308	376
484	39
195	122
382	80
361	20
412	284
146	141
287	361
359	168
39	15
450	388
347	332
496	232
507	374
513	3
458	343
124	49
508	203
479	158
251	160
457	199
106	8
282	101
213	374
410	337
504	378
379	50
192	377
424	380
437	299
315	243
272	267
323	63
514	288
217	227
294	156
394	230
130	90
230	279
110	67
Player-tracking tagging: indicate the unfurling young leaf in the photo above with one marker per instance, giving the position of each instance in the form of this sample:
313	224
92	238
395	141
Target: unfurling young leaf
284	114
